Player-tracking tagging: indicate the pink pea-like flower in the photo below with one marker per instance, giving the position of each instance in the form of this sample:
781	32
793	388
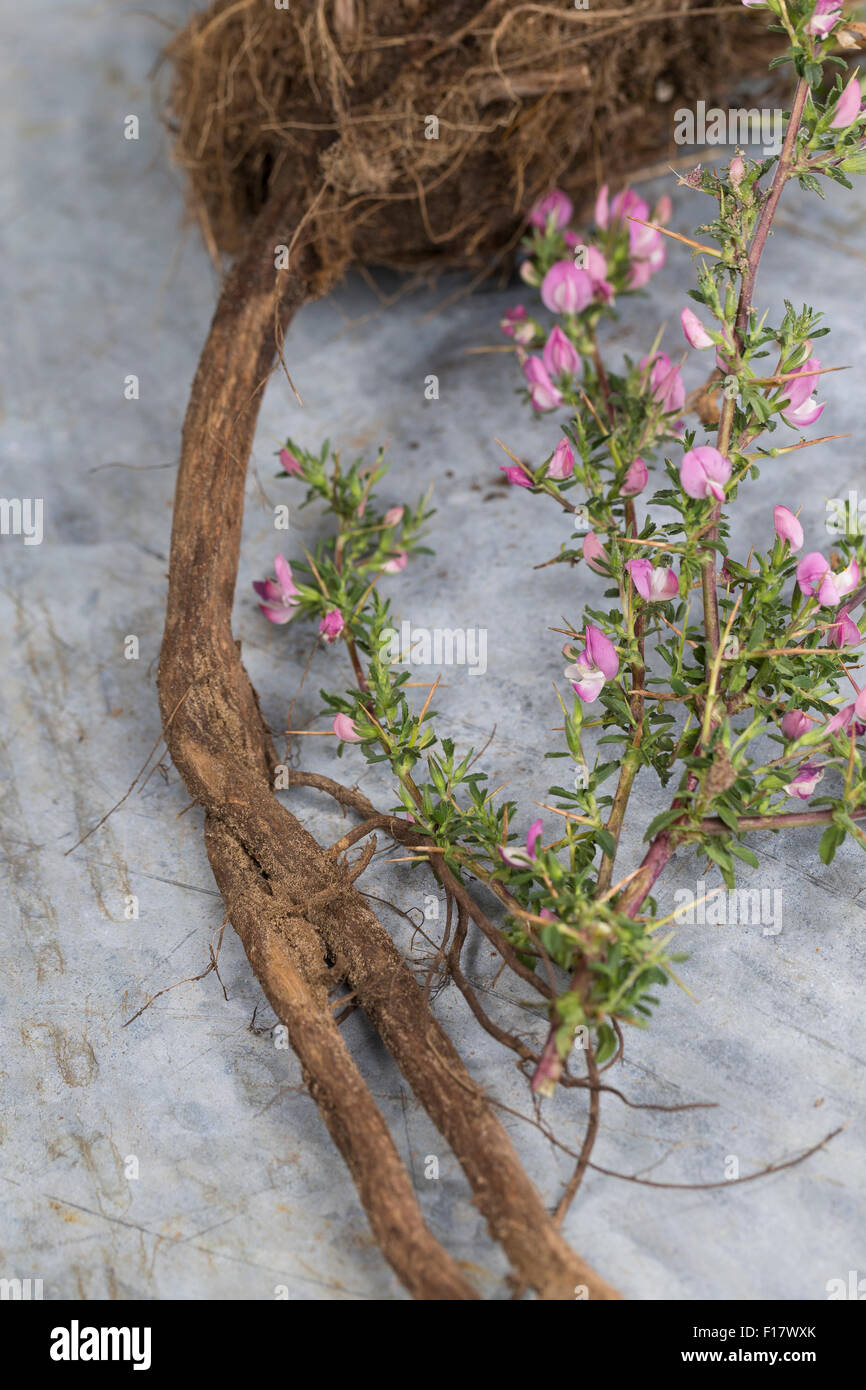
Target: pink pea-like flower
289	462
518	477
663	210
593	552
806	781
520	858
636	478
595	266
562	463
803	409
515	324
804	415
560	355
795	724
566	289
393	516
279	599
704	472
665	382
851	716
642	270
788	527
737	170
817	580
597	663
344	728
332	625
844	632
397	563
542	392
848	105
654	585
556	205
695	333
628	204
643	239
826	16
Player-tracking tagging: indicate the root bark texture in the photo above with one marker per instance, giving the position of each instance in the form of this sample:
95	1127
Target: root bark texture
272	872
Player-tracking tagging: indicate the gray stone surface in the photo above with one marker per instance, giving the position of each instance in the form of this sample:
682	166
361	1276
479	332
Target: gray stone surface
239	1188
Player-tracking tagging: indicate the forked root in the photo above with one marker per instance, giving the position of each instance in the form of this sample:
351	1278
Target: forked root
269	868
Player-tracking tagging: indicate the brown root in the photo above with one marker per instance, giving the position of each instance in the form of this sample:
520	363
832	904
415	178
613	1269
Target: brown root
342	93
272	873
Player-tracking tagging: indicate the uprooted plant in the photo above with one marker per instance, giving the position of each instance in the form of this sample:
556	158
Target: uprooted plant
721	674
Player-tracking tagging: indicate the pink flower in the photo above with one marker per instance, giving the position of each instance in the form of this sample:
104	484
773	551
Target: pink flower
827	13
556	205
519	858
696	335
596	664
332	625
848	105
518	477
542	392
344	728
805	414
642	271
596	268
619	207
281	598
289	462
663	210
628	204
560	355
665	382
806	781
397	563
799	387
795	723
704	472
566	289
529	273
562	463
844	632
737	170
788	527
802	408
643	240
636	478
593	551
855	711
817	580
516	325
653	585
847	579
393	516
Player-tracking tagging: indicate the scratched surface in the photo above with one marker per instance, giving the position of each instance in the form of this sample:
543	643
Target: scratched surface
238	1189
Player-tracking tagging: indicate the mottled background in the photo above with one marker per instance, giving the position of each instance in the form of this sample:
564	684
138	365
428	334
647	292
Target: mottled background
239	1188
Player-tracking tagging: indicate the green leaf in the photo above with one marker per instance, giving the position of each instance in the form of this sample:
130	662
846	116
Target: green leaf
829	843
